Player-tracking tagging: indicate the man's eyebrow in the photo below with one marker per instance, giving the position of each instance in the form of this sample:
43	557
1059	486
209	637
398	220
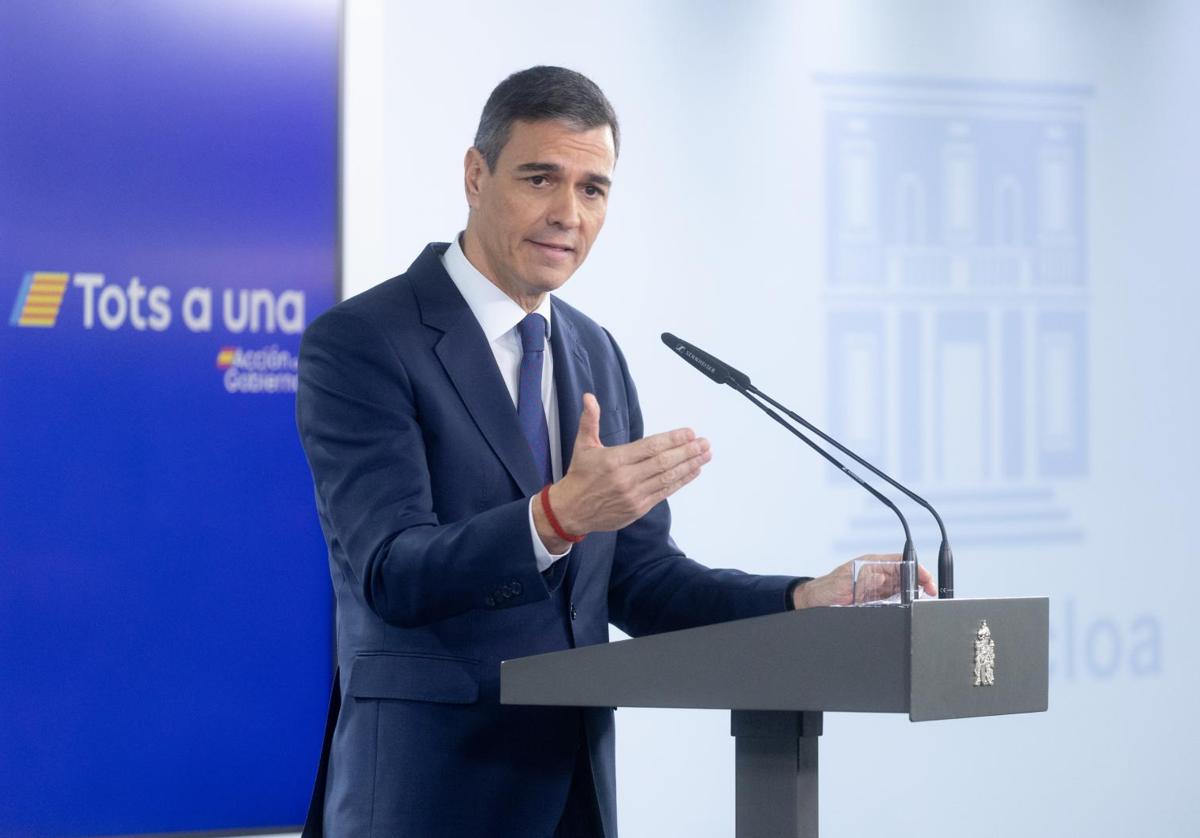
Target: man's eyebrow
554	169
550	168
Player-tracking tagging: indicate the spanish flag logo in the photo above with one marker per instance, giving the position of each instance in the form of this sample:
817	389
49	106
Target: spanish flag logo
39	300
225	357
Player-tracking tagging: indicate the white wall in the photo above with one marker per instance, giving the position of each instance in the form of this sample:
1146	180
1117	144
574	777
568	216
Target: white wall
718	230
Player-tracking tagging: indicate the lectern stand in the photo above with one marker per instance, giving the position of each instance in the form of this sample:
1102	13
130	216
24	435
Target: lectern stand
777	674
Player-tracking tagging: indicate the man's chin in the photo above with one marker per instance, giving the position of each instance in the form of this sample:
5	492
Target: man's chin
544	280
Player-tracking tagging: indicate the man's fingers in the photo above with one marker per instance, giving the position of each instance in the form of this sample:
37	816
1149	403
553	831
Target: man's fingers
665	461
880	557
656	480
652	446
589	423
926	580
654	498
891	573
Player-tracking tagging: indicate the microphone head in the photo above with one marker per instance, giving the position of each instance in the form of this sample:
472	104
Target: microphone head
713	367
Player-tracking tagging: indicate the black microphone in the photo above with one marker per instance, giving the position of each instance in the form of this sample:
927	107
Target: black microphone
722	373
714	368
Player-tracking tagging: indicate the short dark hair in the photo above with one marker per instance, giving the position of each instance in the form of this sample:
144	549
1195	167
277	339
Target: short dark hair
542	93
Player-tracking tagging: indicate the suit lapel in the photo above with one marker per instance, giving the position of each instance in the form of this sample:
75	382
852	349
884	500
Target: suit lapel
572	378
468	360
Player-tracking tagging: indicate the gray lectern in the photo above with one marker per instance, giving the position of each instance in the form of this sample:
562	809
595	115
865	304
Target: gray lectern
932	660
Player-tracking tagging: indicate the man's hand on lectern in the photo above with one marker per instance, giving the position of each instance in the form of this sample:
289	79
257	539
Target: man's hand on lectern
837	586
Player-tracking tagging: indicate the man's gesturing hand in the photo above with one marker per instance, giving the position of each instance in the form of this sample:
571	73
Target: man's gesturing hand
608	488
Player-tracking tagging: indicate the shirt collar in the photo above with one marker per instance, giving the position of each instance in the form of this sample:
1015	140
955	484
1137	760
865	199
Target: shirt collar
496	312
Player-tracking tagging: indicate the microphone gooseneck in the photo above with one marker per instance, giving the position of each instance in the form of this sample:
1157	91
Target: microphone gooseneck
722	373
842	467
945	556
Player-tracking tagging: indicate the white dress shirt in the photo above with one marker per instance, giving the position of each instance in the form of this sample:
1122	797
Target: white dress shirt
498	316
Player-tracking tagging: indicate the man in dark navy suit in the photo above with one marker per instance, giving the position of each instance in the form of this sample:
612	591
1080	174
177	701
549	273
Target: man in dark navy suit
487	493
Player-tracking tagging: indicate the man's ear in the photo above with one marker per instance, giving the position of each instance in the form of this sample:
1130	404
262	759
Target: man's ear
475	169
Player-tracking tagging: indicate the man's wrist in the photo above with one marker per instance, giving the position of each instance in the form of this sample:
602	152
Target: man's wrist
797	593
541	553
545	530
559	501
555	503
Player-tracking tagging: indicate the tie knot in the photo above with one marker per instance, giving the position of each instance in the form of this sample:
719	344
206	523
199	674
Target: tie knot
533	333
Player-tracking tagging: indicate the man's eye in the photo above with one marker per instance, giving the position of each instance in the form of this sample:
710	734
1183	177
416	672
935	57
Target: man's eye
538	180
593	191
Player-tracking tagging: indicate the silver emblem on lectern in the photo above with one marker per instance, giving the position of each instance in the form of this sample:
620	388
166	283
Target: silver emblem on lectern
985	656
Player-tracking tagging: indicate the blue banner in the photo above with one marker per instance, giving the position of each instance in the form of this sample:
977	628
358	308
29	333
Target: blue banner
168	226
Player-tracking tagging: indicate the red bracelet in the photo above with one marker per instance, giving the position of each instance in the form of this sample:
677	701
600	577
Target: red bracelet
550	516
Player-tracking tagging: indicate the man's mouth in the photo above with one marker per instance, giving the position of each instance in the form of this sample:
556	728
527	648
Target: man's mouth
551	247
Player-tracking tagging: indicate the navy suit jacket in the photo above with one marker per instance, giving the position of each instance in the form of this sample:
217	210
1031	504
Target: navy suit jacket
423	481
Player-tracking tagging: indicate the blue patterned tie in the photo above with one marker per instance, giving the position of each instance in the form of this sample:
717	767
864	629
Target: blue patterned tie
530	412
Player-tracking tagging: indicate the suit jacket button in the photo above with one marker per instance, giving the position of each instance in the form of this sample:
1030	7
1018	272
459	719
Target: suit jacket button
516	588
489	600
574	613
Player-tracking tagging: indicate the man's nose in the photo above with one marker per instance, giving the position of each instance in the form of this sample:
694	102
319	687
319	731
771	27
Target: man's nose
564	209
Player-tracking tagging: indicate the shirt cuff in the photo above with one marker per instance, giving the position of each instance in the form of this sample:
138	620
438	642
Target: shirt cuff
545	559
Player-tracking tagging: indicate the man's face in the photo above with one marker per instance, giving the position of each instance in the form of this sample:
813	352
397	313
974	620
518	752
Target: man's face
535	217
